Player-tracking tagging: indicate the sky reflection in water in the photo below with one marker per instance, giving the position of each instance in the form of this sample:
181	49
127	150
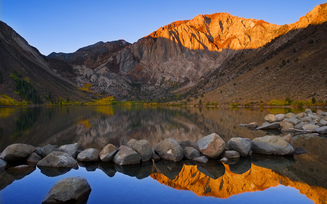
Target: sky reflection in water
125	189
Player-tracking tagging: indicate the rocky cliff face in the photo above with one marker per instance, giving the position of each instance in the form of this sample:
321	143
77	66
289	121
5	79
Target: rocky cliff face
186	58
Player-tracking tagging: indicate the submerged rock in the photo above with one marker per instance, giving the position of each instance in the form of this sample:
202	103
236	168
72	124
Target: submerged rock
72	190
108	153
16	152
58	160
211	145
241	145
169	149
271	145
126	156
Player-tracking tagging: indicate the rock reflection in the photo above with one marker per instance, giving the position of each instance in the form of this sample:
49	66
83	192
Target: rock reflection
53	172
276	163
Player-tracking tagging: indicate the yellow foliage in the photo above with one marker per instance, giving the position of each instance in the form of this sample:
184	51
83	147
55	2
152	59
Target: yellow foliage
8	101
86	88
107	110
86	123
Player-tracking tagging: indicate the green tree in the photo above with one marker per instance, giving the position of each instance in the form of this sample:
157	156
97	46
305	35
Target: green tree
313	100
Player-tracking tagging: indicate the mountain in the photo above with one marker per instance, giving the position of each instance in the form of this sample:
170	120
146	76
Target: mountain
26	63
219	57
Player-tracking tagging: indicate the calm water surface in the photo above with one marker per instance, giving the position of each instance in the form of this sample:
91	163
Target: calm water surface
256	179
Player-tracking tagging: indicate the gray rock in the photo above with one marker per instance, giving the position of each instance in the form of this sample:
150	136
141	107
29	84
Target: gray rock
16	152
155	157
191	153
46	150
211	145
131	142
58	160
271	145
108	153
72	190
239	144
270	118
299	150
287	126
202	159
270	126
88	155
288	138
143	148
300	126
306	119
321	113
322	122
224	159
314	118
169	149
289	115
33	158
70	149
310	127
3	164
280	117
188	143
308	111
321	130
294	120
231	154
301	115
126	156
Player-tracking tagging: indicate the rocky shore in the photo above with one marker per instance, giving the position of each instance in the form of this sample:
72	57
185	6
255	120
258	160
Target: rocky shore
53	160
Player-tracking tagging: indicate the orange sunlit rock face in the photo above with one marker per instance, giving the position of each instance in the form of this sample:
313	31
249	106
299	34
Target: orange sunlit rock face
255	179
223	31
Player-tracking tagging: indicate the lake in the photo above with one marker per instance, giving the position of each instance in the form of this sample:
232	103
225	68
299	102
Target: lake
254	179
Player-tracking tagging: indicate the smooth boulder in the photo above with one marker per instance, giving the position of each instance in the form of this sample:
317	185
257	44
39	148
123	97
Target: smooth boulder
33	158
58	160
126	156
271	145
321	130
143	148
47	149
202	159
169	149
70	149
3	164
69	190
108	153
270	118
211	145
88	155
17	151
239	144
231	154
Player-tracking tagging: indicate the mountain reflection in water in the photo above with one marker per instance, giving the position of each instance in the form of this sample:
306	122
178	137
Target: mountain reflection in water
98	126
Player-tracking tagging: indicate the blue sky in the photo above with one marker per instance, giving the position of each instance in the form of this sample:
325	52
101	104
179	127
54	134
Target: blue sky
67	25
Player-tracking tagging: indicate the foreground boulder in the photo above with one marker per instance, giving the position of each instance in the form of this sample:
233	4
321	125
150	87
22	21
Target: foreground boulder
126	156
70	149
69	190
169	149
16	152
270	118
33	158
231	154
271	145
108	153
211	145
143	148
241	145
88	155
47	149
58	160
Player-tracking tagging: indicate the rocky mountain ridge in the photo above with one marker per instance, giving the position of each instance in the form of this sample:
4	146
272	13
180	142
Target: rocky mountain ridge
209	55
